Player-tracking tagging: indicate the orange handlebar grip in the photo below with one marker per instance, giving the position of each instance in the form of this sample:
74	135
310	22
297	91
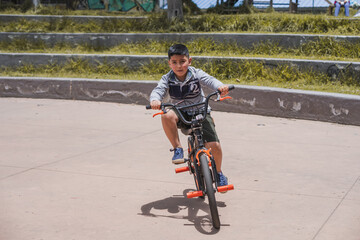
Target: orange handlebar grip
159	113
182	169
227	97
194	194
226	188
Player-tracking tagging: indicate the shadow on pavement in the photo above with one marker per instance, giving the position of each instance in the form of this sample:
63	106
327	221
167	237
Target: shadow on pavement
176	206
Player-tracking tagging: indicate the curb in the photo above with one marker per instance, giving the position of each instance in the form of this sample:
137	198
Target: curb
276	102
245	40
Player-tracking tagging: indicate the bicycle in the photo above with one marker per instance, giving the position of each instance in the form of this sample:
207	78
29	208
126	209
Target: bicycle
201	163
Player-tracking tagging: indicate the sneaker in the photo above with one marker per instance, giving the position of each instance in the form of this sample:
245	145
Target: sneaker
178	156
222	181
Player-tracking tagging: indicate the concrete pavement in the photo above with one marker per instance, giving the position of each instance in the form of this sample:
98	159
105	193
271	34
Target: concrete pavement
92	170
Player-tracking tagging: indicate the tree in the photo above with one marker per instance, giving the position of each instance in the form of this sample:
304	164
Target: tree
175	9
36	3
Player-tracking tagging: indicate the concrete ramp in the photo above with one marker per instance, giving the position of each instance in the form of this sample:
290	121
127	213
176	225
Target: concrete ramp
94	170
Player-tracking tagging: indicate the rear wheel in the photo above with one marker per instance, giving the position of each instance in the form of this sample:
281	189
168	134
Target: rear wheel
210	191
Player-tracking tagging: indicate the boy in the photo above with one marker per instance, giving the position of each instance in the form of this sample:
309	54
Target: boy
184	84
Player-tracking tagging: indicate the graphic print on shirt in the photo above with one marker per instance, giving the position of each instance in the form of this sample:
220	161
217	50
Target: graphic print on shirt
189	90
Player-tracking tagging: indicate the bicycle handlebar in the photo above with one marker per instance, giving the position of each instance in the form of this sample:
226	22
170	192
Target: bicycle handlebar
177	109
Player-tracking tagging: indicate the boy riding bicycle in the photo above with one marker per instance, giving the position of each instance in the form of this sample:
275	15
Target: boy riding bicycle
183	83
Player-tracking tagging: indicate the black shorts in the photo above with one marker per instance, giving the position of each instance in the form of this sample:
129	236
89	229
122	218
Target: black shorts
208	127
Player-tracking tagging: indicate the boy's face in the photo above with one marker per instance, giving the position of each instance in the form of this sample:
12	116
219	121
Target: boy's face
179	64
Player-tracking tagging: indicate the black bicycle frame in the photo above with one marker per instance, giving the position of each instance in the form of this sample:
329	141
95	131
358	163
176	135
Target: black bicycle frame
198	141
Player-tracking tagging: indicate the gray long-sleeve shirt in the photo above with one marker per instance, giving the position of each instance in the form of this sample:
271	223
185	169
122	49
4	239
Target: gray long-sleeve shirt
188	91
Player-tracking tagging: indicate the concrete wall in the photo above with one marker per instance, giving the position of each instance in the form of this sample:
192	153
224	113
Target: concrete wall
337	108
245	40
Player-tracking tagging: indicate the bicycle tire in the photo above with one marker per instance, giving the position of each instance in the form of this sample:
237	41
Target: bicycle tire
210	191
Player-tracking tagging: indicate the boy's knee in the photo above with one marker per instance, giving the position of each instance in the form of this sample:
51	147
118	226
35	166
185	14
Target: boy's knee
214	145
169	116
217	145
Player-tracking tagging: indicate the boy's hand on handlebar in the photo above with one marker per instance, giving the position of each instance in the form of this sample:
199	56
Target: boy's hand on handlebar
155	105
224	90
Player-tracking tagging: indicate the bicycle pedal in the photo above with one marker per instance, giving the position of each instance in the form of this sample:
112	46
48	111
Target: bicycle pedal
182	169
195	194
226	188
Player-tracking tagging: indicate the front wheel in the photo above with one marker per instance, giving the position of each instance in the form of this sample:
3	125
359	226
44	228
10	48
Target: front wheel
210	191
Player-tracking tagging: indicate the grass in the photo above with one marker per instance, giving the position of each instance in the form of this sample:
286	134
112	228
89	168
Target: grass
246	73
61	10
323	48
189	8
270	23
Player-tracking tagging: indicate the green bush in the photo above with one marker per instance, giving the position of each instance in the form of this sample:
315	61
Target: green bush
246	72
26	5
323	48
274	22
